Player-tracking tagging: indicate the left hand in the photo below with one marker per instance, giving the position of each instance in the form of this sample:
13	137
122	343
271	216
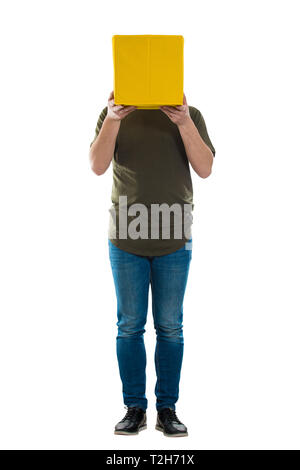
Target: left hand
178	114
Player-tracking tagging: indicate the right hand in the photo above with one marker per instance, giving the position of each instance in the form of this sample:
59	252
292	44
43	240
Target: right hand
117	112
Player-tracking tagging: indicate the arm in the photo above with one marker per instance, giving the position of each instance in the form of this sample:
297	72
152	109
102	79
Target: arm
198	152
102	148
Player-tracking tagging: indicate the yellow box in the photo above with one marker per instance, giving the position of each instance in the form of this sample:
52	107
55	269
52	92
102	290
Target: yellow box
148	70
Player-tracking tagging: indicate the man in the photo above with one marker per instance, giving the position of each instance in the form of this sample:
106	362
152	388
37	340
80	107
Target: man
151	150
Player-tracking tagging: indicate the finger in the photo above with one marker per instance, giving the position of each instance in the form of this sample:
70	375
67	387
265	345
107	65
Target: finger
111	95
126	111
111	101
165	108
184	99
128	107
117	107
171	109
172	113
167	113
123	112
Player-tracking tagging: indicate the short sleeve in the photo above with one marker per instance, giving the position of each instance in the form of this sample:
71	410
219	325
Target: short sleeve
201	126
99	123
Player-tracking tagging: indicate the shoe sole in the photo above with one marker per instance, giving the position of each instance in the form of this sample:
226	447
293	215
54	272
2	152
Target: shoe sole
181	434
124	433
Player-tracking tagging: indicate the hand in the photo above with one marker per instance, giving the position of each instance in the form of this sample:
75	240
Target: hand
178	114
117	112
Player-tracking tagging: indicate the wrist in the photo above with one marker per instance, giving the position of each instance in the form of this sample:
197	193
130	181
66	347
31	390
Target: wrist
185	123
112	119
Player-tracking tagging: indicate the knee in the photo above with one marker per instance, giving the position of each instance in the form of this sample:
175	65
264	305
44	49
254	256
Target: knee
130	329
170	333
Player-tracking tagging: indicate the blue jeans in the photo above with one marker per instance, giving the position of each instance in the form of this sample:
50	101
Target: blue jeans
167	275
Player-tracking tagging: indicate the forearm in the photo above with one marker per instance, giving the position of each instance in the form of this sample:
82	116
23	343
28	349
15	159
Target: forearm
198	153
102	150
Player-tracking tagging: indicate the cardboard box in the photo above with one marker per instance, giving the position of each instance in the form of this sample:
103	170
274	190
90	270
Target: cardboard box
148	70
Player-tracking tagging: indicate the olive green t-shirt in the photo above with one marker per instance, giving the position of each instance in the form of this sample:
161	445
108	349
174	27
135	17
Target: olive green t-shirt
150	166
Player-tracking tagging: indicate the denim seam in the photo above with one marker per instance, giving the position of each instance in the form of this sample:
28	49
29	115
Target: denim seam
157	362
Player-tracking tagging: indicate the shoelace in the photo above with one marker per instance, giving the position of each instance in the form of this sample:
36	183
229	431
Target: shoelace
131	411
171	415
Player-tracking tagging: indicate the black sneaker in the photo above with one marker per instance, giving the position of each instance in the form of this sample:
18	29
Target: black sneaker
133	422
169	424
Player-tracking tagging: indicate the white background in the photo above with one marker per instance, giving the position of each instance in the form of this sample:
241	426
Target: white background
240	386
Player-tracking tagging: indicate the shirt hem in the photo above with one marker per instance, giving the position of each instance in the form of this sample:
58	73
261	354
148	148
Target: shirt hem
151	252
